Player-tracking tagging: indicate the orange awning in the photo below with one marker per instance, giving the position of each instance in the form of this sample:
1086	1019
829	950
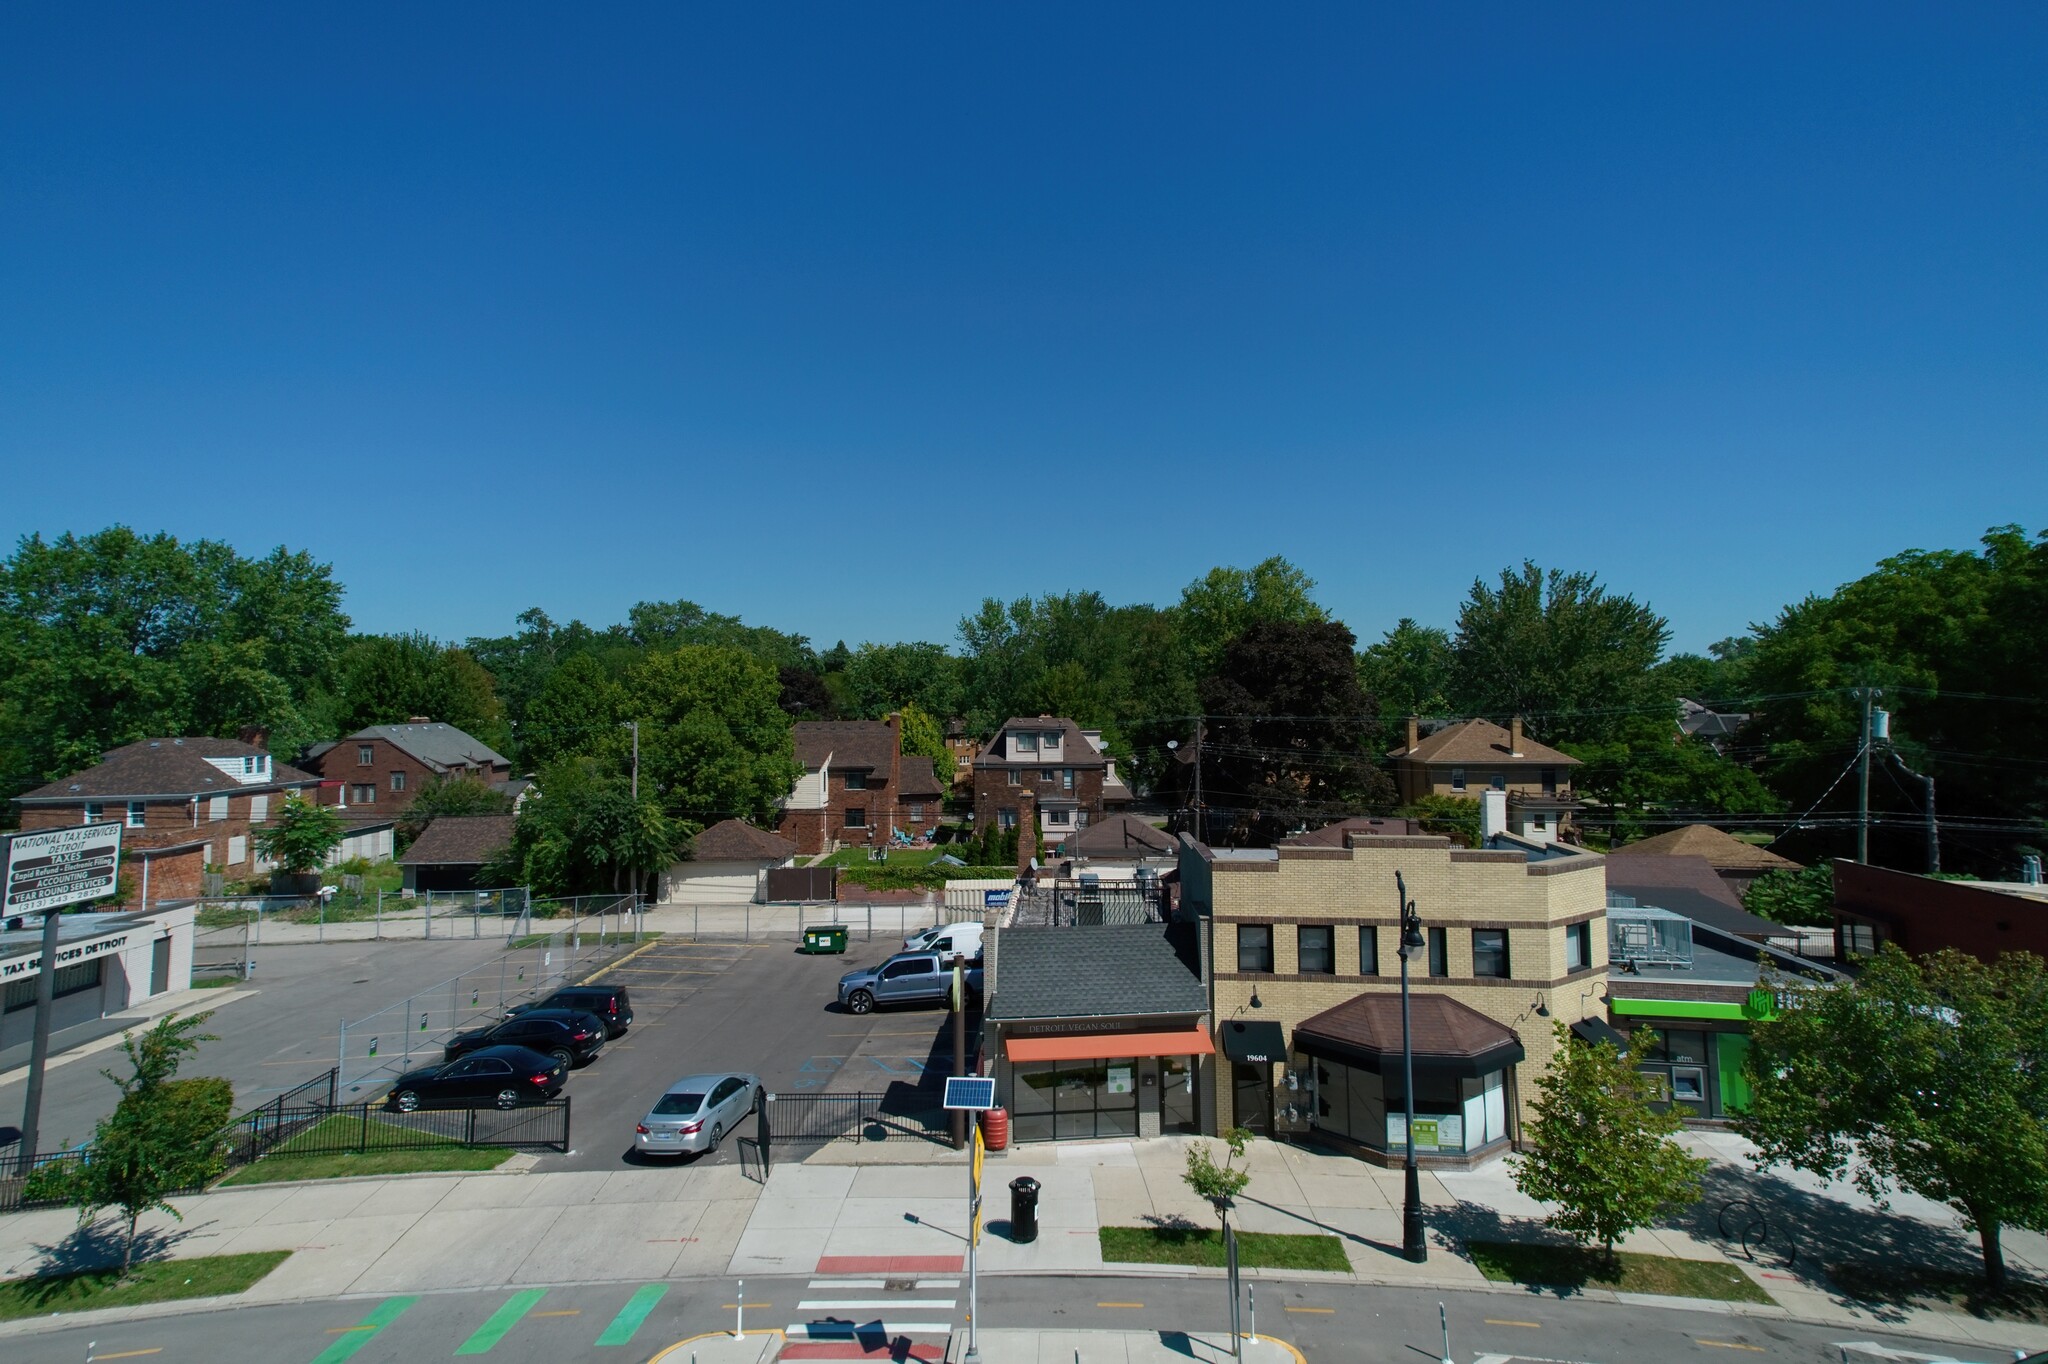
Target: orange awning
1096	1045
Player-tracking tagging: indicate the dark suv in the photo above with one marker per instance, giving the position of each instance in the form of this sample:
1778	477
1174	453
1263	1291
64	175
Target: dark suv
571	1036
608	1002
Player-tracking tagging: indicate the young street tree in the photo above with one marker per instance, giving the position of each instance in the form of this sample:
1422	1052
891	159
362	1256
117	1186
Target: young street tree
301	836
1599	1151
164	1135
1219	1183
1928	1075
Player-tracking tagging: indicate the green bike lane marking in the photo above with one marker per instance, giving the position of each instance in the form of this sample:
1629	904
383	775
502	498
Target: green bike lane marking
502	1321
632	1315
362	1334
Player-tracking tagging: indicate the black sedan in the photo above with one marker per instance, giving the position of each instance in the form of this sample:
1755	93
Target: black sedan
569	1035
503	1077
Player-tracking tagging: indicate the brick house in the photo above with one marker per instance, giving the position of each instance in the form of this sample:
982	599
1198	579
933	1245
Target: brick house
858	786
177	791
378	770
1472	756
1070	778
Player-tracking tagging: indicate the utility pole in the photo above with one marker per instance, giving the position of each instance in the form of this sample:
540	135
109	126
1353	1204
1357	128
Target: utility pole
1201	814
1863	787
1933	831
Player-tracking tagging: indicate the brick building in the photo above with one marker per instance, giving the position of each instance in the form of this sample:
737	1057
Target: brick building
1472	756
380	769
177	791
858	787
1071	779
1874	906
1301	946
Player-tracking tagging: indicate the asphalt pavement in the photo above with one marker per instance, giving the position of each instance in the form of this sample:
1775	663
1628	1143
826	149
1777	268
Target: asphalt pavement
624	1322
760	1007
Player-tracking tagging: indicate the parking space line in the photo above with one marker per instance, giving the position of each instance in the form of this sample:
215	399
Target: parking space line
132	1354
1119	1304
1499	1321
1320	1311
633	1315
487	1336
380	1317
1729	1344
562	1312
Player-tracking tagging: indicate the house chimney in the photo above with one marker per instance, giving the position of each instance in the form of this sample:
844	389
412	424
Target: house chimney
256	736
1493	814
1515	737
418	720
1414	732
1027	829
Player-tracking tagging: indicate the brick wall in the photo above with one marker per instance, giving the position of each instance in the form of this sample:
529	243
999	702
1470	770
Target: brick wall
169	822
343	763
993	792
1456	890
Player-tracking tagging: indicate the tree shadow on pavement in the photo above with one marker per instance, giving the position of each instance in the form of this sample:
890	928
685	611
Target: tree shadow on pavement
97	1245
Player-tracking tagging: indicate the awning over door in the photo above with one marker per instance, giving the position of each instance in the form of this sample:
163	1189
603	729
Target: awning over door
1450	1038
1253	1043
1095	1045
1594	1031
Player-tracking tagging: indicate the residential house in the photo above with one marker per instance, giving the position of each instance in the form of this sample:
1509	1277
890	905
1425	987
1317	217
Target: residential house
1736	862
1874	906
1052	759
964	748
1718	728
1471	756
377	771
1122	838
174	791
1115	794
858	787
1688	886
727	865
450	854
1305	985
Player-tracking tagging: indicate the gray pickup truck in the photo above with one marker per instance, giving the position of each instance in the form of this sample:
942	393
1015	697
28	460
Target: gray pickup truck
906	978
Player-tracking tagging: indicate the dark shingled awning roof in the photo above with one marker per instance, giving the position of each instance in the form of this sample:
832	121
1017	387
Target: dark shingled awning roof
1121	836
1450	1037
919	778
856	744
460	841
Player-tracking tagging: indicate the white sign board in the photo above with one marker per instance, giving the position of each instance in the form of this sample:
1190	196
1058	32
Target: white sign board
51	868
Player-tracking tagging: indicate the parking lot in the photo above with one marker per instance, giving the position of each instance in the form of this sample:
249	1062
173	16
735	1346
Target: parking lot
759	1007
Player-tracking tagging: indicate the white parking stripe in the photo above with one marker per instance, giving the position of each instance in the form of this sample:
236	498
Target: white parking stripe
864	1283
833	1330
938	1283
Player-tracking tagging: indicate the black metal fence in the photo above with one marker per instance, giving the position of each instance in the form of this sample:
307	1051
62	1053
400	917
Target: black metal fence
900	1113
305	1121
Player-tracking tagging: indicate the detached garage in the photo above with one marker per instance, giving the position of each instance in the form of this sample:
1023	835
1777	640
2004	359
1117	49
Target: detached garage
452	851
728	865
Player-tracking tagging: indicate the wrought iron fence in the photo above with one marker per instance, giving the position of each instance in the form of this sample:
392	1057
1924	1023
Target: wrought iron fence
355	1128
900	1113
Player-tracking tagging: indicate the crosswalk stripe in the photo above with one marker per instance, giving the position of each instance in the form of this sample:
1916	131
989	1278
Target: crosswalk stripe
872	1304
632	1315
846	1330
849	1283
382	1316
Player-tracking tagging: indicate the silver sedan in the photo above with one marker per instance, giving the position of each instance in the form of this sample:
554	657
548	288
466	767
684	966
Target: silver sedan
696	1112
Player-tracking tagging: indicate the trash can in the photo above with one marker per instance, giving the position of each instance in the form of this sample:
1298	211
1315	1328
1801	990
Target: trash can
1024	1210
829	938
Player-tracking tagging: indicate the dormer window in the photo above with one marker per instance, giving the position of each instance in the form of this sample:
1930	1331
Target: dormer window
1024	743
1050	741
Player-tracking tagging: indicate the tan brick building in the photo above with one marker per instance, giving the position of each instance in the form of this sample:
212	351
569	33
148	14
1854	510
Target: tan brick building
1473	756
1305	981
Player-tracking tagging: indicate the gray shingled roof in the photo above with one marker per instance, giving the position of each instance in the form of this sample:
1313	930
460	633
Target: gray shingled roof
437	745
165	767
735	840
1121	836
1090	971
920	778
1075	750
1688	886
857	744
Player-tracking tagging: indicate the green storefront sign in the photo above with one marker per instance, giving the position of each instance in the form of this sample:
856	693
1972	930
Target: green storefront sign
1760	1004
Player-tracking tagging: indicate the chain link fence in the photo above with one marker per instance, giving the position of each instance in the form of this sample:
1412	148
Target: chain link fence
246	921
548	945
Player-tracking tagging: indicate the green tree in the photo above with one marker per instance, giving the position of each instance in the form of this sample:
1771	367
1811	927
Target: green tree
1598	1150
714	739
1219	1184
578	710
1804	897
113	637
580	831
1647	766
1455	817
386	678
1225	602
1928	1075
1290	735
1409	670
880	678
1718	679
164	1135
1559	648
924	737
301	835
448	796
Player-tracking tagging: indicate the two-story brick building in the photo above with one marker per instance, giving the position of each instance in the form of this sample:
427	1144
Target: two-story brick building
1301	950
172	792
377	771
1069	777
858	787
1472	756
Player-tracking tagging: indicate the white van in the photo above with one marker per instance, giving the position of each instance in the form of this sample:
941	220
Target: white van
963	939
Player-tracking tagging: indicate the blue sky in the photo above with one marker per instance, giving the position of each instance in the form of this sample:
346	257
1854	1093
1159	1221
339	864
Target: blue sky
843	317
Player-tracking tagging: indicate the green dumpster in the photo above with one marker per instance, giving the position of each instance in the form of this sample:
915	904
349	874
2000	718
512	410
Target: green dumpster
830	938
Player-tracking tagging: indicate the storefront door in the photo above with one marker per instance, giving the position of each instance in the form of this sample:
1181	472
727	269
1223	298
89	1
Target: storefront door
1178	1100
1252	1095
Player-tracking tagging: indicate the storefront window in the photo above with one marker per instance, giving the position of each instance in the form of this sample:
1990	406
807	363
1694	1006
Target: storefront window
1452	1115
1070	1099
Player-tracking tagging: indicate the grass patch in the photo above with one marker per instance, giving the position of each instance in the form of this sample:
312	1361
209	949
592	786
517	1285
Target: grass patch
156	1281
1627	1272
348	1164
1204	1246
215	982
1944	1291
301	1156
591	939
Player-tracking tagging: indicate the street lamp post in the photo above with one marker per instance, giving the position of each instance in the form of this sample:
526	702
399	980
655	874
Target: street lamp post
1413	1248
